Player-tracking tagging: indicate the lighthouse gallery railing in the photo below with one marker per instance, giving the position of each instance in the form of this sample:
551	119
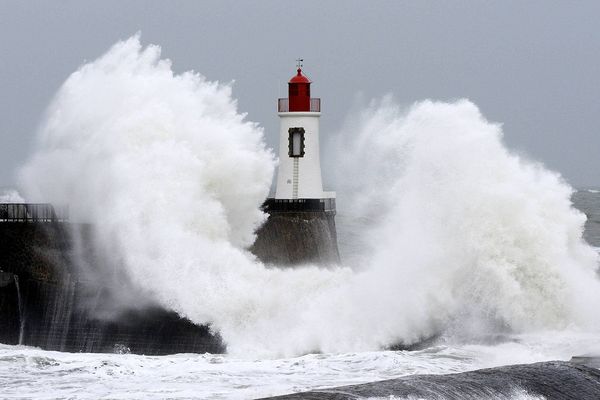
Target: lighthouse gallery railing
283	105
299	205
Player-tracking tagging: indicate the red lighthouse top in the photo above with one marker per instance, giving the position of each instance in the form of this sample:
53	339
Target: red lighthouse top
299	95
299	78
299	92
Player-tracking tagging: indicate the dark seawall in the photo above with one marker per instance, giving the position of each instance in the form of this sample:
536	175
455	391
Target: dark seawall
58	296
47	303
555	380
296	236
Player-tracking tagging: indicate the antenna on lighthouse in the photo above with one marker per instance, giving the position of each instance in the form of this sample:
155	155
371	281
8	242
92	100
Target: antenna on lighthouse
299	62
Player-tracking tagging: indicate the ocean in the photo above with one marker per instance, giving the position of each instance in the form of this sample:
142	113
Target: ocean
31	373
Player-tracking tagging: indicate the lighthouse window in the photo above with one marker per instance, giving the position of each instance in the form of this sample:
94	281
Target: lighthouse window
296	142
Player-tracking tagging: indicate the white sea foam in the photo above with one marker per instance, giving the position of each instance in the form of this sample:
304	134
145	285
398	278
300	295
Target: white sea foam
10	196
33	373
459	226
460	234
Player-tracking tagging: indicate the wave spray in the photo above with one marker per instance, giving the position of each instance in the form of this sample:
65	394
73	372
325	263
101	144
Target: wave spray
456	234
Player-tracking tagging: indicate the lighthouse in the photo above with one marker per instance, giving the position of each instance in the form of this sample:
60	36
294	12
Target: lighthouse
299	175
300	227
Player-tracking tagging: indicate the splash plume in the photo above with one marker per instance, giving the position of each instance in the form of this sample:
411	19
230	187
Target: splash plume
172	177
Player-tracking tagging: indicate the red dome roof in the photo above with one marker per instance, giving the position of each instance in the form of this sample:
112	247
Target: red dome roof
299	78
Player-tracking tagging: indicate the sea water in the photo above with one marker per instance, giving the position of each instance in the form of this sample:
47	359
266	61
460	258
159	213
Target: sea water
33	373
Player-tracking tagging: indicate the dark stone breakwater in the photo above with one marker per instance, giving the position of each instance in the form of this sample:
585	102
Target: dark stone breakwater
297	237
45	301
554	380
57	295
10	308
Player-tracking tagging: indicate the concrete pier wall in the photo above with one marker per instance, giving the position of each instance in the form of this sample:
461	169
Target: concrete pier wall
9	309
292	238
57	311
58	296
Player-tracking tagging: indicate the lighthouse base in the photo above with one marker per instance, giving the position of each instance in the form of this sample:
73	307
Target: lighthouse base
298	232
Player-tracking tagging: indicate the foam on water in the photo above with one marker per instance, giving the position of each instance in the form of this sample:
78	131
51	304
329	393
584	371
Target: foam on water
10	196
33	373
460	236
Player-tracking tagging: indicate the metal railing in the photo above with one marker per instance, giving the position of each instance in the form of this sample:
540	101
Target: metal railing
283	105
32	212
298	205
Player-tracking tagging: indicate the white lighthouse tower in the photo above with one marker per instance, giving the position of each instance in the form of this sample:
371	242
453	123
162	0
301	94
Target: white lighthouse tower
300	227
299	175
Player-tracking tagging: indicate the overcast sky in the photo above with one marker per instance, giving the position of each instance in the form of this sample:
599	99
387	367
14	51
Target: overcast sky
532	65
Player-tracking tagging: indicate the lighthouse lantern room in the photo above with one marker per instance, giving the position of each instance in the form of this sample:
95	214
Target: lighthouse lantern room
299	175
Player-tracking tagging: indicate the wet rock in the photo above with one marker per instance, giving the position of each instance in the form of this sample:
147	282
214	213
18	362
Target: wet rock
555	380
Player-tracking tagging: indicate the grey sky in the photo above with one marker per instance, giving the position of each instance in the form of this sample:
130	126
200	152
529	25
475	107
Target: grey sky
534	66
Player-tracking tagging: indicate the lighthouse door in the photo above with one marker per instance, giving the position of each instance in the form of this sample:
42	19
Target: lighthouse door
296	142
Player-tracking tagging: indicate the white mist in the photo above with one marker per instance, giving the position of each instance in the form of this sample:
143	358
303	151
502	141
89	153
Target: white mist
460	234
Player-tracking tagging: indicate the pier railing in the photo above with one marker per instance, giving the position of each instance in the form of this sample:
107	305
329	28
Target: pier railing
299	205
32	212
